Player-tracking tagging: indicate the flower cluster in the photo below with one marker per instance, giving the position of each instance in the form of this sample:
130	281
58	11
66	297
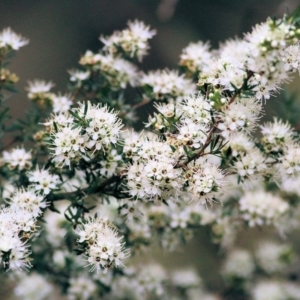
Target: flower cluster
43	181
165	85
14	252
105	248
118	72
97	129
204	180
9	40
17	224
260	208
17	159
152	176
195	57
133	41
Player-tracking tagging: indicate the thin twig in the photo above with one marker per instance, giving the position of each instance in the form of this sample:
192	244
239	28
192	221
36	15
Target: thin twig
85	191
142	103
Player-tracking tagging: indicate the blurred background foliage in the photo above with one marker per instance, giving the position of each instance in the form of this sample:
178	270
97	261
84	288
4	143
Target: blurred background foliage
62	30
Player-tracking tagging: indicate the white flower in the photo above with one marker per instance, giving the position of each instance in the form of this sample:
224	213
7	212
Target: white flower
105	248
259	208
205	180
241	115
238	264
117	71
61	103
17	158
9	39
240	144
166	84
195	56
290	162
192	135
263	91
276	135
74	139
268	290
153	176
251	164
224	73
78	75
109	165
132	143
39	89
274	257
28	200
103	125
81	288
61	120
90	59
196	109
133	41
291	58
186	278
67	145
167	110
43	181
155	179
26	290
14	221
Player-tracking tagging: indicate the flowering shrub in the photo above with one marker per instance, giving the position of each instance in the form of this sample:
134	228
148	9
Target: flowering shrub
80	187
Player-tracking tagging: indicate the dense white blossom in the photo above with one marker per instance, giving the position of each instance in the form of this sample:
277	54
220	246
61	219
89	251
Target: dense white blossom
196	56
13	221
26	290
186	278
78	76
291	58
61	103
290	162
274	257
43	181
132	40
276	135
100	130
117	71
17	158
268	290
251	165
28	200
195	109
39	89
259	208
191	134
241	115
81	287
11	40
105	247
238	264
205	180
67	145
166	84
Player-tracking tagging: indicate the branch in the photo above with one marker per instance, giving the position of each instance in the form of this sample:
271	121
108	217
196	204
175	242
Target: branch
142	103
85	191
